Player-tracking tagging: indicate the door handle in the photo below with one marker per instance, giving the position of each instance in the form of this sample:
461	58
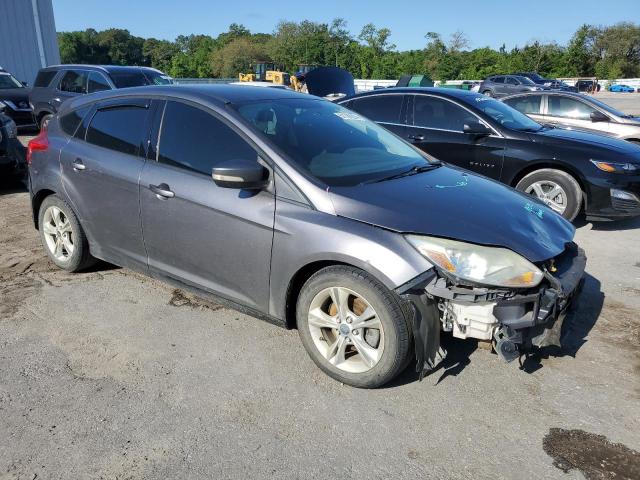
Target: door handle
162	191
416	138
78	165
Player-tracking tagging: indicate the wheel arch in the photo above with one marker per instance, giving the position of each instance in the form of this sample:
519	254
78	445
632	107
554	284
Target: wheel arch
553	164
36	202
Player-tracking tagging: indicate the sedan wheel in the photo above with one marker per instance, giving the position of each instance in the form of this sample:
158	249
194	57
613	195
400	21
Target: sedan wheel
346	330
354	328
58	234
549	193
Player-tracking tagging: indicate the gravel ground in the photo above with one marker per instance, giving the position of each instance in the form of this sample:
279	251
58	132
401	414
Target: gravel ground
109	374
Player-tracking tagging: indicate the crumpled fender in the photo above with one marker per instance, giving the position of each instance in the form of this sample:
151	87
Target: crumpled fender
425	323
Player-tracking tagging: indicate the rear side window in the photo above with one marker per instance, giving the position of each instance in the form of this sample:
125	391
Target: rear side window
44	77
74	81
379	108
97	83
194	139
69	122
528	104
432	112
118	128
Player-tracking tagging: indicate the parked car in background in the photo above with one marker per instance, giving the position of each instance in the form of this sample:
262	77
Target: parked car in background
56	84
577	111
569	171
12	152
621	88
553	84
351	235
14	97
501	85
588	85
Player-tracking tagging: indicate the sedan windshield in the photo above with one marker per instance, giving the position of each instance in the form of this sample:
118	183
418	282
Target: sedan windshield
8	81
333	144
505	115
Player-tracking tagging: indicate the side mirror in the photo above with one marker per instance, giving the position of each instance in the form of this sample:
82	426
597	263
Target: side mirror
598	117
241	174
476	128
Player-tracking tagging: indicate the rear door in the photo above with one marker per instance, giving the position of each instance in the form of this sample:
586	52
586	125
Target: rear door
387	109
72	83
437	129
215	238
101	169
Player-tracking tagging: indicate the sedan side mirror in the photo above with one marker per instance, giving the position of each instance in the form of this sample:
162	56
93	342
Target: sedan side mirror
598	117
476	128
241	174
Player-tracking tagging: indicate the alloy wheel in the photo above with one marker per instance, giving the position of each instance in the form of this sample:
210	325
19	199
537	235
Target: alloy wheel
58	233
346	329
552	194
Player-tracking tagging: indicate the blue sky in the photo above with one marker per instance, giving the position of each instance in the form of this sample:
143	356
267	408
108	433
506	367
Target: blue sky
486	22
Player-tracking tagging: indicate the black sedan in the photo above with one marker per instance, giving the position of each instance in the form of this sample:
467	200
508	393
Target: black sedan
12	154
14	99
569	171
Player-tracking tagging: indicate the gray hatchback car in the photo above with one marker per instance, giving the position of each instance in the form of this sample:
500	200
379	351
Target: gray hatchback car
305	214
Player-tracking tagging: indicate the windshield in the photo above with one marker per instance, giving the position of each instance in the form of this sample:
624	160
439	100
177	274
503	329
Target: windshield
8	81
606	107
526	81
330	143
505	115
130	78
158	78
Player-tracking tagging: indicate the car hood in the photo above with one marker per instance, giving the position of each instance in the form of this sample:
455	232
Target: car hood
15	95
593	144
453	203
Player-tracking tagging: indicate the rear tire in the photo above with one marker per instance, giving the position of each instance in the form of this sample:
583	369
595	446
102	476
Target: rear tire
372	322
559	190
62	236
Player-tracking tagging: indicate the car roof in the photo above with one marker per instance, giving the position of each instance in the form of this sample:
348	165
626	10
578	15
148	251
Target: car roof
441	92
104	68
214	94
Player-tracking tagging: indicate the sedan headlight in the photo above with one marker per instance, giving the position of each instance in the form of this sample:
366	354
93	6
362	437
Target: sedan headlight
495	266
611	167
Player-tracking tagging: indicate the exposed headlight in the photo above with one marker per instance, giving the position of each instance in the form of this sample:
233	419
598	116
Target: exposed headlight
495	266
612	167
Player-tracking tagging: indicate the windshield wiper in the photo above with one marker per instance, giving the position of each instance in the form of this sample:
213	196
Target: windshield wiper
413	171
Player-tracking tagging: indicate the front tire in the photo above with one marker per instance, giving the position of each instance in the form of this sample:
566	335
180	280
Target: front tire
353	327
62	236
556	188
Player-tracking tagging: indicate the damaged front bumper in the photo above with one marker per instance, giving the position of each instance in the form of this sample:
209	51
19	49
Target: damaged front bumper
514	320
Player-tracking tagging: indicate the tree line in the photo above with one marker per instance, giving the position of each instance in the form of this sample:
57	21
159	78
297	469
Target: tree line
603	51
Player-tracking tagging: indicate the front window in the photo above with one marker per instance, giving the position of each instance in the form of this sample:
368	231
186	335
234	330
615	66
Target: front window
128	78
505	115
332	144
9	81
525	81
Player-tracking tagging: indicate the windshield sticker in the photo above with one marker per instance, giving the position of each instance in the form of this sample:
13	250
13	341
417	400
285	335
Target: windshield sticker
462	183
537	211
349	116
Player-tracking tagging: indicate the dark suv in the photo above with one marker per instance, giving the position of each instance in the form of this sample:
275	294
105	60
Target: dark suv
55	84
553	84
501	85
14	100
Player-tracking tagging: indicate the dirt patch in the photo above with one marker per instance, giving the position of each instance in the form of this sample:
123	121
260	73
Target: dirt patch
183	299
594	455
620	325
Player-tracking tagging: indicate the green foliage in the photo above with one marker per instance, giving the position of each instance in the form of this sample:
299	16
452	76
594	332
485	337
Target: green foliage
606	52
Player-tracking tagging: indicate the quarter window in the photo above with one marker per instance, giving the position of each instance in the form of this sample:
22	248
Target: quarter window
69	122
528	104
566	107
379	108
118	128
97	83
194	139
432	112
74	81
